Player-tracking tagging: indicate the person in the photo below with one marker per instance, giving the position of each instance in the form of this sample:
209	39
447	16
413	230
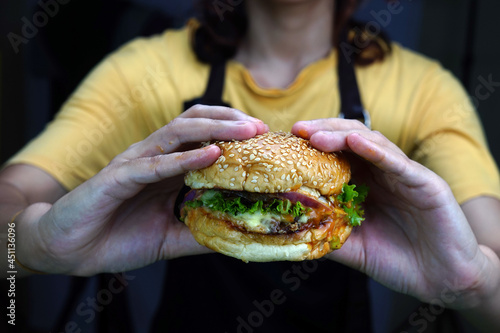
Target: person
96	191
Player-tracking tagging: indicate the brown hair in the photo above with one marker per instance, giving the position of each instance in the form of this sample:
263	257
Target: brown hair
224	24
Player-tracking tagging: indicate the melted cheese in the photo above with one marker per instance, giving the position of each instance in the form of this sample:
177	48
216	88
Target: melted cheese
262	222
257	221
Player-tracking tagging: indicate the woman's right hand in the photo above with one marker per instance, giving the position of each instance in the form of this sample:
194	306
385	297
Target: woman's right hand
122	218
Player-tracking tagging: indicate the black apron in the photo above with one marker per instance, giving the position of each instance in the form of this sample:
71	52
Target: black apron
216	293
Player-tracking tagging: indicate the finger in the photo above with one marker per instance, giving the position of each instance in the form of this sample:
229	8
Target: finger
180	243
350	254
99	197
182	131
391	161
329	141
306	129
375	153
217	112
150	170
223	113
122	180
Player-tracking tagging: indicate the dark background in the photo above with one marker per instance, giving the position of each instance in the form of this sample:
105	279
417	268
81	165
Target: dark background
462	34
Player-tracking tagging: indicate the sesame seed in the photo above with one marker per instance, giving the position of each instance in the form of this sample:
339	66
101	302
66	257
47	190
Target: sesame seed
256	189
236	168
231	184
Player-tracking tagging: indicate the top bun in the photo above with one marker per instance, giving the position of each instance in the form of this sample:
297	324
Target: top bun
271	163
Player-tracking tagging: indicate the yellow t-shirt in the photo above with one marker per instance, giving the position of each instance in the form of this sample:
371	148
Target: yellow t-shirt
412	100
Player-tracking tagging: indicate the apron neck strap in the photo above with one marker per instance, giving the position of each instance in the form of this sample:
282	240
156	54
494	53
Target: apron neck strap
350	99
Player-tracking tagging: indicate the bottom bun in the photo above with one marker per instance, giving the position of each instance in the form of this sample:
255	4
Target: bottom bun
218	233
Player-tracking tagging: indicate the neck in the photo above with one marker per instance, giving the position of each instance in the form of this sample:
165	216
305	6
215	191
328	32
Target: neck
285	36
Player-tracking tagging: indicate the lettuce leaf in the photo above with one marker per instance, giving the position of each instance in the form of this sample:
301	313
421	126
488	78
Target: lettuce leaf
352	200
215	201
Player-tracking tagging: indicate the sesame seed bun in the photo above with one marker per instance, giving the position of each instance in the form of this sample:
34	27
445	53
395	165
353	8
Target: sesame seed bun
274	163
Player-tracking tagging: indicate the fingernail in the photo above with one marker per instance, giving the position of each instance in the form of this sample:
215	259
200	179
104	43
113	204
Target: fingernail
212	146
303	133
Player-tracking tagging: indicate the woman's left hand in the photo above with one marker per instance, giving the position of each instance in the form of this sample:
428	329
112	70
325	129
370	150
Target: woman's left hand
415	239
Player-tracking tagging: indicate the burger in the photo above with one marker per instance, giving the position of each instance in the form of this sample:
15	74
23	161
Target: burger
273	197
